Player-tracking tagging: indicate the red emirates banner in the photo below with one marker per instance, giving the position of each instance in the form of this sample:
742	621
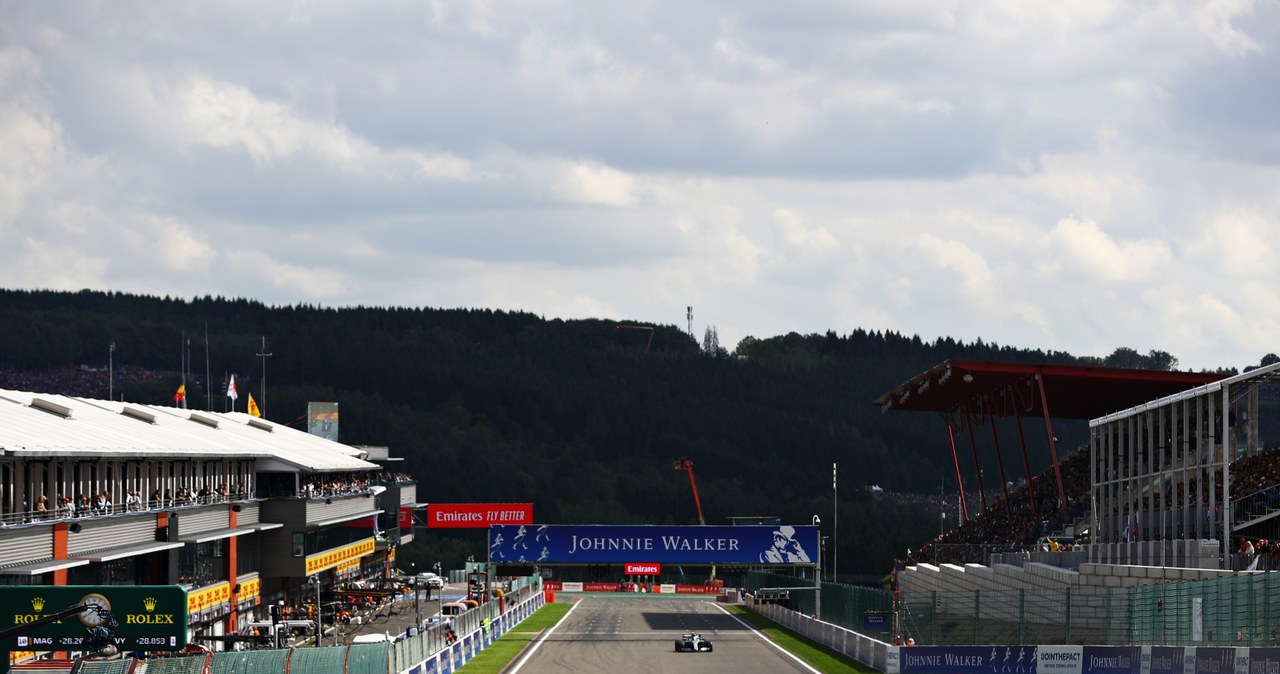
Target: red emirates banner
634	569
477	515
406	517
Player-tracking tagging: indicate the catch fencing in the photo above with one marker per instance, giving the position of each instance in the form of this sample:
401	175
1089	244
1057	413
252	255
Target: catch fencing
1241	610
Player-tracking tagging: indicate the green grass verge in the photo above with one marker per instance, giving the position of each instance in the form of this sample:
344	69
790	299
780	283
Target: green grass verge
816	655
500	653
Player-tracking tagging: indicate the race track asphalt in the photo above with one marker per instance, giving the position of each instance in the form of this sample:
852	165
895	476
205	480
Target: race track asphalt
636	634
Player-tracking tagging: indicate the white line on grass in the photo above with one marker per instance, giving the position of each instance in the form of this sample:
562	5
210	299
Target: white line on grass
538	643
766	639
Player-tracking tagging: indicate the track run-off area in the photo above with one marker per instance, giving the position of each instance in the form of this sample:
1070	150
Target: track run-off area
636	634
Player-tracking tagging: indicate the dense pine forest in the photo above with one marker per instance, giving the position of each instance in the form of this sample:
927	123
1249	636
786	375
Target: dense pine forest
582	418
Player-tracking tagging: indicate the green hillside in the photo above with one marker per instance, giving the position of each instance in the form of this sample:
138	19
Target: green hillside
579	417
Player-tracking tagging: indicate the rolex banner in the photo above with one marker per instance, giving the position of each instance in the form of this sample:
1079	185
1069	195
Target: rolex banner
556	543
148	618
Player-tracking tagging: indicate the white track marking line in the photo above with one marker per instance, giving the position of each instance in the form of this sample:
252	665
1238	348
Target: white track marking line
543	638
766	639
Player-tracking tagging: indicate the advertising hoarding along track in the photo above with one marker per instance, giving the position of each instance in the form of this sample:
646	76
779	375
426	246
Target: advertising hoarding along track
590	544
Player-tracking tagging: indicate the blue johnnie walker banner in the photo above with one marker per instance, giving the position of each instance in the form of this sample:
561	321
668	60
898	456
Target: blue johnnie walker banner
590	543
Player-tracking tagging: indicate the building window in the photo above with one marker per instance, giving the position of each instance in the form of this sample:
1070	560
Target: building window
299	546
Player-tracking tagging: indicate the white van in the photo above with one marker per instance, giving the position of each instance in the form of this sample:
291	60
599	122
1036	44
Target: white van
453	608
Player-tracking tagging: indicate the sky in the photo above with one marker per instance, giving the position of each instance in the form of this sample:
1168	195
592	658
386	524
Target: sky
1076	176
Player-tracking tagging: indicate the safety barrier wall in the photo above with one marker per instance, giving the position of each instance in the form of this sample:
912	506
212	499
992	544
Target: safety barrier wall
475	630
1081	659
1067	659
864	649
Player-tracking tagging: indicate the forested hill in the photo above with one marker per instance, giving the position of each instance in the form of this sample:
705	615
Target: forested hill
582	418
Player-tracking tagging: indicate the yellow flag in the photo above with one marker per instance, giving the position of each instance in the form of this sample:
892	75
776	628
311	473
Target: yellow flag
253	407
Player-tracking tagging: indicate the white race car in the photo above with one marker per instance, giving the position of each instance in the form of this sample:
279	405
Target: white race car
692	642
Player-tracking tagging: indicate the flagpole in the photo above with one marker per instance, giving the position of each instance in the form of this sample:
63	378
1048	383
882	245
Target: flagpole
182	355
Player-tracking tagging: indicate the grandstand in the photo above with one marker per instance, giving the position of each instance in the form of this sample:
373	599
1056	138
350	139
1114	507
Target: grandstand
1160	531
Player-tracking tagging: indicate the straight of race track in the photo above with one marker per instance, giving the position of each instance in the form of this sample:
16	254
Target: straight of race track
636	634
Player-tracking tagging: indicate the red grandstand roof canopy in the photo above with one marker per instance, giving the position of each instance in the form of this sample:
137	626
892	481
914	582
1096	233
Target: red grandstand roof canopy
1071	391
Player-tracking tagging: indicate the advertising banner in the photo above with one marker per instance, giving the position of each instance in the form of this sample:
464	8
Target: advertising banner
969	660
1260	660
322	420
1216	659
148	617
1112	659
1171	659
477	515
643	569
592	544
406	517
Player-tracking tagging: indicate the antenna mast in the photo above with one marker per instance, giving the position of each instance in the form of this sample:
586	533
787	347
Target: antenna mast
264	356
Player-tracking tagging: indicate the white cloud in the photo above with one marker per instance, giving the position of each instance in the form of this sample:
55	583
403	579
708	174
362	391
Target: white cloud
592	184
1214	19
1235	244
1081	248
226	116
735	54
1040	176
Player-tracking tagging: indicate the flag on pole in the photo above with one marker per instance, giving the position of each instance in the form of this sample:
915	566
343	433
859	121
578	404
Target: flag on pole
231	389
253	407
181	394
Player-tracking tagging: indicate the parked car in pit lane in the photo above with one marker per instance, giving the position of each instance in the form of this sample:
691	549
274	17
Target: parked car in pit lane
692	643
431	580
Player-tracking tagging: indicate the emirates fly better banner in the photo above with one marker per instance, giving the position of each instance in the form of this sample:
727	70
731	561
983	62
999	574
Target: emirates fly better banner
477	515
569	543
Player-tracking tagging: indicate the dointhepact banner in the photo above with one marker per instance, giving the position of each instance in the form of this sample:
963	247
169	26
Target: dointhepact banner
566	543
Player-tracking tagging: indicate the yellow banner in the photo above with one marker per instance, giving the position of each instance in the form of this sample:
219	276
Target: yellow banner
249	589
327	560
210	596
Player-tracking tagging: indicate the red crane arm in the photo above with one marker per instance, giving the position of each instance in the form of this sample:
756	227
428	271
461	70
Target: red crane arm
686	464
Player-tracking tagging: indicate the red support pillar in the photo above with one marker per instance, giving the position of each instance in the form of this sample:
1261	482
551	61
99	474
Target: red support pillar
1004	482
977	465
955	462
1053	442
1022	444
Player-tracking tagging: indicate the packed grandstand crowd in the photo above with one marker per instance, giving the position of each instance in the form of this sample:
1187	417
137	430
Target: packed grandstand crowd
1255	482
83	381
1015	525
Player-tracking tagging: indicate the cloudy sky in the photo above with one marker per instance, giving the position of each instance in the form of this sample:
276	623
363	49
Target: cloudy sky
1074	176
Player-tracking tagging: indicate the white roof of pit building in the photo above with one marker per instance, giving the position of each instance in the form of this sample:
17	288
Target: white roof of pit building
49	425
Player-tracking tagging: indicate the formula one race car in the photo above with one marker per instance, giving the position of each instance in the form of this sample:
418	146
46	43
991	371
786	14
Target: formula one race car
692	643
